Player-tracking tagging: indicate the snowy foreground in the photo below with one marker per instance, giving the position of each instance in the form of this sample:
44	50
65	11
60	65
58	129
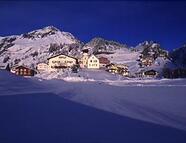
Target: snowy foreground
91	108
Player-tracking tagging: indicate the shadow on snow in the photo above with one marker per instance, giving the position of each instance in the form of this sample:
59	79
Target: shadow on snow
48	118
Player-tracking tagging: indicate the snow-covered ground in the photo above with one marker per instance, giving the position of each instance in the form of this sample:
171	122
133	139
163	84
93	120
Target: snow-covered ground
103	76
157	101
154	107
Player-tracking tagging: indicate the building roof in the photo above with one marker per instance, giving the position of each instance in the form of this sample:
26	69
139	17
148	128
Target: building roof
42	63
92	55
23	67
104	60
60	55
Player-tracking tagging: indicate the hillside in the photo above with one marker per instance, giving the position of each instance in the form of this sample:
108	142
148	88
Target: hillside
36	46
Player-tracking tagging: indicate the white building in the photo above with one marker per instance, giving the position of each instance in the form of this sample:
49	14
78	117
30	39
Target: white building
84	60
61	61
93	62
42	67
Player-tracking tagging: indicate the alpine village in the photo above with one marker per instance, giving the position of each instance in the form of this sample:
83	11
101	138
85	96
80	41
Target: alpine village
148	56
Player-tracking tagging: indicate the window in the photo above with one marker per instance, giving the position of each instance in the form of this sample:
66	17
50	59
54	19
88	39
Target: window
55	61
91	61
29	72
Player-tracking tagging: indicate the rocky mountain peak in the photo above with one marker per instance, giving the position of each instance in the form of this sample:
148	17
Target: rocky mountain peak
41	33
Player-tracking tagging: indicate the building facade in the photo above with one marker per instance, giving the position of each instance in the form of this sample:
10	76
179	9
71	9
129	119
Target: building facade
61	61
118	69
24	71
103	62
42	67
93	62
150	73
84	60
147	61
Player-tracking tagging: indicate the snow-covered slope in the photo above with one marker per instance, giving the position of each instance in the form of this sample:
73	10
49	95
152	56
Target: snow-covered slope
12	84
154	101
37	46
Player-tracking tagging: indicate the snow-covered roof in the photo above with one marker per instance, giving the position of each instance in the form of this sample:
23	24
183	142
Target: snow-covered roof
61	55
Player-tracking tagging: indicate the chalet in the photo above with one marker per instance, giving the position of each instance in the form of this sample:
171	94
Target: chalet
103	62
123	70
42	67
118	69
93	62
24	71
61	61
150	73
112	68
147	61
5	67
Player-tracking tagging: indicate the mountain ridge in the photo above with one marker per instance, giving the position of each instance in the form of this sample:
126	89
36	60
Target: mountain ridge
37	45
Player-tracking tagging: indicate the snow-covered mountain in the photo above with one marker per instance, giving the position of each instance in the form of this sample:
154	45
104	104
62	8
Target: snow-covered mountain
100	45
153	51
36	46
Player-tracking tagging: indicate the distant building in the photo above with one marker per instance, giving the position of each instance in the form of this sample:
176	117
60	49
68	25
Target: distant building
103	62
147	61
112	68
24	71
150	73
83	62
124	70
61	61
42	67
93	62
118	69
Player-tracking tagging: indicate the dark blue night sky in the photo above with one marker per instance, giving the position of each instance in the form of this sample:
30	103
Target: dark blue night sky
126	22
